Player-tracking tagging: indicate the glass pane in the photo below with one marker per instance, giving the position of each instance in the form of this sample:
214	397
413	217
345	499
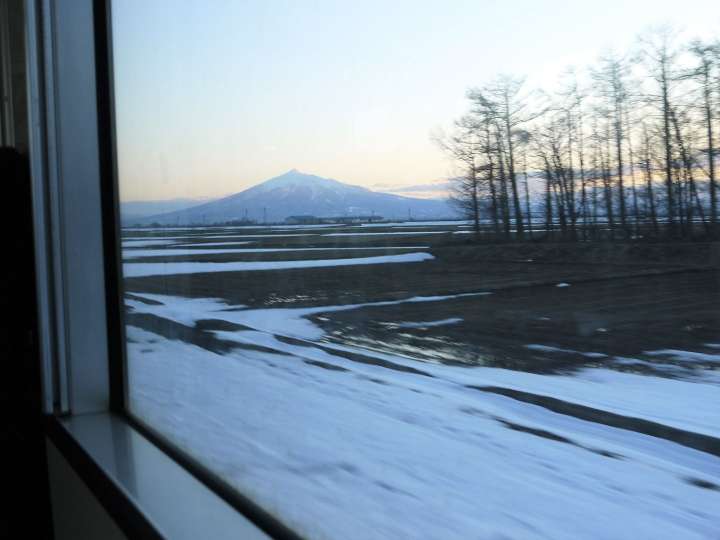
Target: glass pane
429	269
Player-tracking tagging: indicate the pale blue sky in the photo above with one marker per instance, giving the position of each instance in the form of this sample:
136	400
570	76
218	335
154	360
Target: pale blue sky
214	96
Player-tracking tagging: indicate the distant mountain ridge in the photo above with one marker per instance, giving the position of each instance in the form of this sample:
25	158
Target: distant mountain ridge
137	210
295	193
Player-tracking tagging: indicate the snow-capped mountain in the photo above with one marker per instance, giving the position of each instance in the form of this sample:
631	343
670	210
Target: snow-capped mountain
295	193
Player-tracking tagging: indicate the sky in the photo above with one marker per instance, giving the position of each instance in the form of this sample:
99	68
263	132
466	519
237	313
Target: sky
214	96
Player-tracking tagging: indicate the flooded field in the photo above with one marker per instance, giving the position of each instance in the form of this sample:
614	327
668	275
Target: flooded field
389	378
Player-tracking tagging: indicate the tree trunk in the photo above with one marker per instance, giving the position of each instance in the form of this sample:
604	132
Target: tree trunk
647	162
511	170
667	142
708	107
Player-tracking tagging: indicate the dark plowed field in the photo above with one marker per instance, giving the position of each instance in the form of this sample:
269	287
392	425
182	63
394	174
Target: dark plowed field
616	302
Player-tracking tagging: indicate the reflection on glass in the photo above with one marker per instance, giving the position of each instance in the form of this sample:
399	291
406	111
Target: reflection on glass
500	321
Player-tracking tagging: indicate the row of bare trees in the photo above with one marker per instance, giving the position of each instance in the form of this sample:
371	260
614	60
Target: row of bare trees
627	148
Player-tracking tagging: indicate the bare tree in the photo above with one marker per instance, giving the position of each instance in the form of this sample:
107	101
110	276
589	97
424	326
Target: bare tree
637	153
464	147
611	83
660	56
647	167
502	101
574	99
708	58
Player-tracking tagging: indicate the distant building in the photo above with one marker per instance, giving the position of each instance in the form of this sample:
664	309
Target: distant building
353	219
302	220
315	220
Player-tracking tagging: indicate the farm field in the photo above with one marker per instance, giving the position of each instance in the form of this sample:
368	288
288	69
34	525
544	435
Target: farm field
372	381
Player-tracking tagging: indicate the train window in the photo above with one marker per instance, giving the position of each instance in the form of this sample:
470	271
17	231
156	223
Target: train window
428	269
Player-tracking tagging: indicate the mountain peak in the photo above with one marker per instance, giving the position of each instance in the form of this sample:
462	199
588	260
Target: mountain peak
297	193
291	172
296	178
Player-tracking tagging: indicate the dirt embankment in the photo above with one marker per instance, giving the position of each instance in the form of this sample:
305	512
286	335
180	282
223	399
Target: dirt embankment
682	254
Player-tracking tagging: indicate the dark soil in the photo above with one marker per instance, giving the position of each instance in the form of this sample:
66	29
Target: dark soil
623	299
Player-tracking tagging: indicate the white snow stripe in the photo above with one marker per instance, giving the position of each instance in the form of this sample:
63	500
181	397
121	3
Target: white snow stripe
174	268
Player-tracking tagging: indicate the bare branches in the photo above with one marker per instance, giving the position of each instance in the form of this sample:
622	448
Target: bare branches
624	149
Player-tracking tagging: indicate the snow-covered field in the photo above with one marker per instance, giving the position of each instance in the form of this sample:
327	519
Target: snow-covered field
343	441
404	233
131	269
173	252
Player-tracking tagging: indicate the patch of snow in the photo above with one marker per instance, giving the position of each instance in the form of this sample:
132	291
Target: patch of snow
271	250
562	285
417	224
626	361
186	312
131	269
139	242
157	237
684	356
426	324
293	227
144	253
160	229
404	233
211	244
374	453
549	348
678	403
291	322
216	236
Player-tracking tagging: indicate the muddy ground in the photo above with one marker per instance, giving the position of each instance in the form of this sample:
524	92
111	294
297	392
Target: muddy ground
622	300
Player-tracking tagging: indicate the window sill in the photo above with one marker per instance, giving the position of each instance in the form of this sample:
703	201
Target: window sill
146	492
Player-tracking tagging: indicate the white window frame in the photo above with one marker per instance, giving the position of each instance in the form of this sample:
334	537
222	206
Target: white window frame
147	492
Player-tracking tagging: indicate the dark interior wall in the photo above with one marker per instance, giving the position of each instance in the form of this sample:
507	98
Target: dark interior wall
19	74
13	45
25	512
77	514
